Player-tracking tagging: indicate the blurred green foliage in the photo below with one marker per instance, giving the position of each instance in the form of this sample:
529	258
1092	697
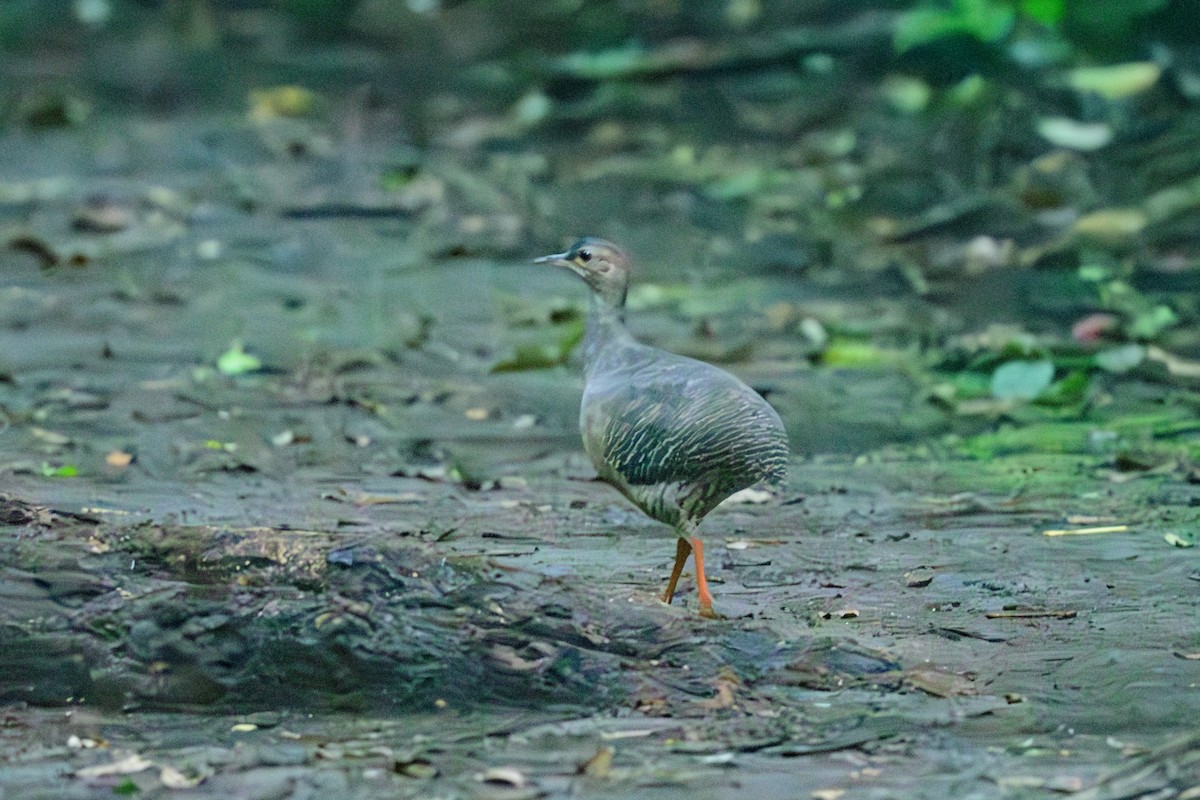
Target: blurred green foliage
322	17
985	20
1087	24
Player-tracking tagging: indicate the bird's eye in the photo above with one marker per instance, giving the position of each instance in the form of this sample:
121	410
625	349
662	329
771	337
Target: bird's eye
584	256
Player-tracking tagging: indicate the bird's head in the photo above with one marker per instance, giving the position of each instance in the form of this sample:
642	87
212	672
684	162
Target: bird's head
602	265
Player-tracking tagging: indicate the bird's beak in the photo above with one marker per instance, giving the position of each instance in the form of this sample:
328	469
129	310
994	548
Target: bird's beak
555	259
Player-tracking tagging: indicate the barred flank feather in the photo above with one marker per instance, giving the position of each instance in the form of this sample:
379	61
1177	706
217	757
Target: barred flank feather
675	435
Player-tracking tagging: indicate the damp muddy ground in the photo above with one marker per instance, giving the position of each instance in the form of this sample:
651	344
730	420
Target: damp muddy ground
293	498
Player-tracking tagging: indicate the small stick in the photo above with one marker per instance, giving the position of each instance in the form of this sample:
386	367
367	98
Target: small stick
1029	613
1084	531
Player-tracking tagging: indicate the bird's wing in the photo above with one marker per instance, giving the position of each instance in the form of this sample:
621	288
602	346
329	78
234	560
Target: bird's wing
677	420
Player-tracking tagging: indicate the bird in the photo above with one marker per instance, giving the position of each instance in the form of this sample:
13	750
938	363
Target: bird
674	435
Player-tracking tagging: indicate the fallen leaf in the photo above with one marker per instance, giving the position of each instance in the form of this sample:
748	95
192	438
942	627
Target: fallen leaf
102	215
174	779
918	578
845	613
118	458
1120	359
236	361
504	776
599	765
50	437
1022	380
1111	225
940	684
636	733
126	766
746	544
726	685
725	758
1067	784
1114	81
827	794
65	471
508	658
1074	135
749	497
419	768
281	101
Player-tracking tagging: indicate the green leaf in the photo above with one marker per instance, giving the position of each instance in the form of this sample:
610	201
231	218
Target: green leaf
65	471
1121	359
605	64
543	355
1116	81
969	384
1022	380
236	361
1068	391
852	353
985	20
1094	273
126	787
1151	323
1039	438
1047	12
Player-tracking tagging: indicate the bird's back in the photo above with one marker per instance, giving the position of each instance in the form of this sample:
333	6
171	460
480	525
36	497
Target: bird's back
676	435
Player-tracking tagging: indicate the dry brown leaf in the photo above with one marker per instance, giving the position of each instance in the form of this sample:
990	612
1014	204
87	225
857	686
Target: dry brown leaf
726	687
509	659
118	458
940	684
599	765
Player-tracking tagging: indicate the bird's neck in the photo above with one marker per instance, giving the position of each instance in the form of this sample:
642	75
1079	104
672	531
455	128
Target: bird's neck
605	326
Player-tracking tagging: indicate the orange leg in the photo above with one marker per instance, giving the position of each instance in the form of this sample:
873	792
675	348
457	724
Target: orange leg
702	595
682	551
